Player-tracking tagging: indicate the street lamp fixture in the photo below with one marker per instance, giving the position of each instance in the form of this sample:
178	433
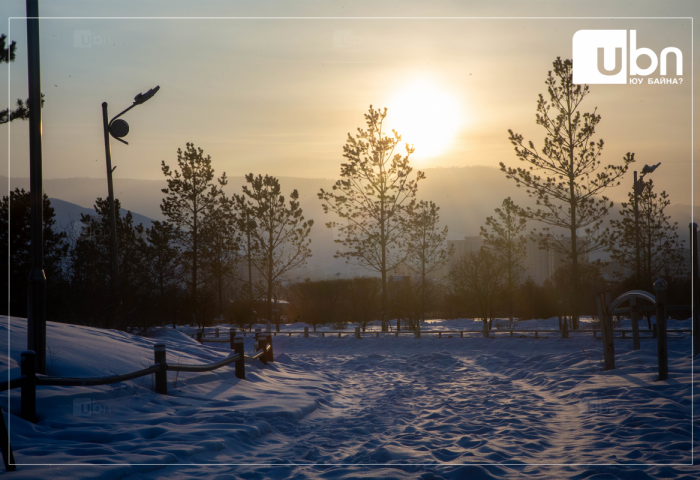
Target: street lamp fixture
117	128
638	188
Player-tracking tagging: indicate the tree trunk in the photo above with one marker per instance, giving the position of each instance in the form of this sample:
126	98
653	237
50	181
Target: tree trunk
574	269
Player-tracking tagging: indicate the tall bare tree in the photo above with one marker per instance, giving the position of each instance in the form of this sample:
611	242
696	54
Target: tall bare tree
371	198
426	244
661	249
478	280
278	231
570	191
506	239
220	252
190	198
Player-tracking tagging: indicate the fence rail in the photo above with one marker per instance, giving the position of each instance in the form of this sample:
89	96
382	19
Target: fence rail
29	380
438	332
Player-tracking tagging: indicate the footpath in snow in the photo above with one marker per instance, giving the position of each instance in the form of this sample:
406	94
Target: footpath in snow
339	408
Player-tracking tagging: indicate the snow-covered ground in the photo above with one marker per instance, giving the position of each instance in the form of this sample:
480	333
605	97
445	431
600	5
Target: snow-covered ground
341	408
464	324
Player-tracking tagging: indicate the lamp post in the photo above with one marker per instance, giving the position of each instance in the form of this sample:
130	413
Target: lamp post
36	304
638	188
117	128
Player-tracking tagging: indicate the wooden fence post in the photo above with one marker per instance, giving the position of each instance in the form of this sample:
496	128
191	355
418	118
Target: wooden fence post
357	332
306	332
257	333
270	355
231	336
7	455
240	363
417	331
660	287
162	376
635	324
28	389
199	336
696	287
606	333
262	343
461	334
216	332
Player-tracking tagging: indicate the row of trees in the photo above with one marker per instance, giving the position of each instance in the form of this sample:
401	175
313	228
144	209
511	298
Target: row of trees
188	267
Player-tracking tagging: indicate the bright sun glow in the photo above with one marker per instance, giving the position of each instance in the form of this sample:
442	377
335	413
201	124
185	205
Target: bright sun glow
426	117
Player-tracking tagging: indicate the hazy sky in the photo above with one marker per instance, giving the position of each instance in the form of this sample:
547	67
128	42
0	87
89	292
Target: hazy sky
279	96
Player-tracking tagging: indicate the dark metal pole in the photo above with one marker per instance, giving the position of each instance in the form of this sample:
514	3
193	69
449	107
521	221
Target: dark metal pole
112	214
660	287
696	287
36	295
638	261
635	324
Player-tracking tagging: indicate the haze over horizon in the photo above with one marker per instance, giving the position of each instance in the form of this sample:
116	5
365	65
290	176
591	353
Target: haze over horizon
279	97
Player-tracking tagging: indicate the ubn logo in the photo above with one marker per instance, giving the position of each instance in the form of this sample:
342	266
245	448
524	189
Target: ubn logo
86	407
600	56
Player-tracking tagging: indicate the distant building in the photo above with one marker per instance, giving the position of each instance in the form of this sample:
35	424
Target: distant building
539	264
462	247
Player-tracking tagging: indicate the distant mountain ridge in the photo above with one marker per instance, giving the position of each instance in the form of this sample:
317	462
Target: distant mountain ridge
68	215
465	195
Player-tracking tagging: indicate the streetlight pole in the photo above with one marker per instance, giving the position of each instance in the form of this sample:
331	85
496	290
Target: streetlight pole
112	214
36	305
638	258
117	128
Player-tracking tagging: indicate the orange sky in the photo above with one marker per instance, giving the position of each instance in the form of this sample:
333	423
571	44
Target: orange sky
280	96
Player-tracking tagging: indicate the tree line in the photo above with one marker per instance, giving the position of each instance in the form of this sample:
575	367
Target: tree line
227	257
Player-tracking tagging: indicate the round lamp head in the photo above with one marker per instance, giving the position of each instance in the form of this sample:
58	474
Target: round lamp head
119	128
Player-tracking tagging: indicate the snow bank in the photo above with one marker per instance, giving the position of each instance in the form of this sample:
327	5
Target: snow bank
479	407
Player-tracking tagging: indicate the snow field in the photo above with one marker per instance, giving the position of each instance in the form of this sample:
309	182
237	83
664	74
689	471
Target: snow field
400	404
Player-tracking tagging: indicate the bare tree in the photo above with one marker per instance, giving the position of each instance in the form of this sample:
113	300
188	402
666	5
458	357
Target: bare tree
371	198
190	197
220	253
570	192
426	245
478	280
660	247
363	301
278	231
506	239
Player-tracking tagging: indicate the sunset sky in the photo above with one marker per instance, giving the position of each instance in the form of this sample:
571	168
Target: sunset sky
279	96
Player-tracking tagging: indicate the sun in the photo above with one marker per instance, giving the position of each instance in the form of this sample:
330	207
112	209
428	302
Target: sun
426	116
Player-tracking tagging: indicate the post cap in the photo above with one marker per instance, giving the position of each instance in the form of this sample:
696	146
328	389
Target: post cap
660	284
159	347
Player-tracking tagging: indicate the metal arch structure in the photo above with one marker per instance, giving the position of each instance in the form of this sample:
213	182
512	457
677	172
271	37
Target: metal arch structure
629	296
